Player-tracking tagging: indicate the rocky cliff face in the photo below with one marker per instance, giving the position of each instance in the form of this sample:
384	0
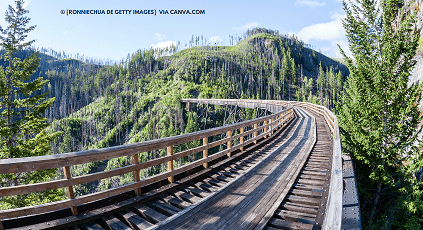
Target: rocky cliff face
417	74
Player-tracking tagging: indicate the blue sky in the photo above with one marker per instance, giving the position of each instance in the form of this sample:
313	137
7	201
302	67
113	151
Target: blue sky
316	22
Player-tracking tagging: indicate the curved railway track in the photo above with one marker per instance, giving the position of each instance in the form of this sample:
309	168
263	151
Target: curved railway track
280	179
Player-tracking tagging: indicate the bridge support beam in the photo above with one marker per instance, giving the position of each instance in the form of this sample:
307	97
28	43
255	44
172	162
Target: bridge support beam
229	143
136	173
69	189
169	151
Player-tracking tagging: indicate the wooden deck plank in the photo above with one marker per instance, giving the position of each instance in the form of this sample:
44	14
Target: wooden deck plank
214	182
134	220
284	224
163	207
186	196
221	178
299	208
115	223
203	186
228	174
181	204
310	182
286	214
150	214
308	187
303	200
312	177
198	192
306	193
92	226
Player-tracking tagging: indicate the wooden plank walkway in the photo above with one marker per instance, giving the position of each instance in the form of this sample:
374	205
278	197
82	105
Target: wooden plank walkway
246	201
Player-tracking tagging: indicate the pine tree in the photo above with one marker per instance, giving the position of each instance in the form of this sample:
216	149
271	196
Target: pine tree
22	125
192	126
379	113
320	82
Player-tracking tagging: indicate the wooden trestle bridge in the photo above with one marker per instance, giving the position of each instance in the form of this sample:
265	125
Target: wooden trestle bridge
281	171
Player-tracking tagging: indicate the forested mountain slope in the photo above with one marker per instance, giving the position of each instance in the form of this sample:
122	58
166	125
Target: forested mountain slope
98	106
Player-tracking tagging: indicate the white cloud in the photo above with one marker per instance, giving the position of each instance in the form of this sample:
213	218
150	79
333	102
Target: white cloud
332	33
65	32
215	39
328	31
247	26
159	37
310	3
164	45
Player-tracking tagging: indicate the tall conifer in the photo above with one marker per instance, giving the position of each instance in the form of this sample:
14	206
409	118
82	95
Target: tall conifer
379	113
22	124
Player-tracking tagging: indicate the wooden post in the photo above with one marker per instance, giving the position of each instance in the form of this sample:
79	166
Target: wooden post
229	143
273	120
170	164
265	128
205	152
1	226
270	126
188	105
241	139
136	173
255	133
68	175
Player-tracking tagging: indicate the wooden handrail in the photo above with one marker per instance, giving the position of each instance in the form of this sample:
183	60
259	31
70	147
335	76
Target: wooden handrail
69	159
28	164
44	186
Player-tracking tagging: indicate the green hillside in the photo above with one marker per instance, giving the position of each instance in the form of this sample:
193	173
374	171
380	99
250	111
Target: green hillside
98	106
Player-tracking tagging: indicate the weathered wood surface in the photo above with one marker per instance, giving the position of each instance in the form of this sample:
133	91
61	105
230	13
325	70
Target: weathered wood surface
242	204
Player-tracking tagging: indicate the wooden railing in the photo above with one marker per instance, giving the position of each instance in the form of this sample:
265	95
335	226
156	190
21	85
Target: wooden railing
248	132
333	213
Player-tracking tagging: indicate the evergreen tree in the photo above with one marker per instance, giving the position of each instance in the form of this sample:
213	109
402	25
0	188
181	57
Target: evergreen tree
22	125
192	126
320	82
378	113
